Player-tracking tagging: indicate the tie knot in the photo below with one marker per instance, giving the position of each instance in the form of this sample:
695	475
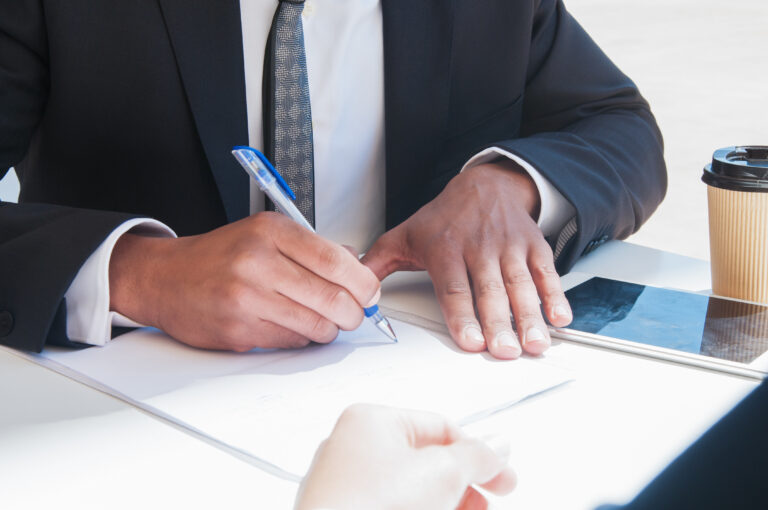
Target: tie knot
293	1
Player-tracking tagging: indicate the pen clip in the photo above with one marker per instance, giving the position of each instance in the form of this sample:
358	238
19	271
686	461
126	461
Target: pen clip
263	159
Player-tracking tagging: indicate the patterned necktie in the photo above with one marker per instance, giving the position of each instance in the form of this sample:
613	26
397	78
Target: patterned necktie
287	113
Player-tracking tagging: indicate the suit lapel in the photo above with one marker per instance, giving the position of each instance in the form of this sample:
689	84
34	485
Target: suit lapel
207	41
417	57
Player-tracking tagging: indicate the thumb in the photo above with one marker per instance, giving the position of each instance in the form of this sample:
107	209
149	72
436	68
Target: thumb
479	461
387	254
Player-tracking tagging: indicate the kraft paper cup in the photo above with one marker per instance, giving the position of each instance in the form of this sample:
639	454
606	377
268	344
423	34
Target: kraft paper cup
737	192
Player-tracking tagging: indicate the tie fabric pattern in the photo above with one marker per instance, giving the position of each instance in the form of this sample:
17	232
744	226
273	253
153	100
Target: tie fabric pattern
287	112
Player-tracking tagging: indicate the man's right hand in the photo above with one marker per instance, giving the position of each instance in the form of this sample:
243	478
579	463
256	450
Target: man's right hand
263	281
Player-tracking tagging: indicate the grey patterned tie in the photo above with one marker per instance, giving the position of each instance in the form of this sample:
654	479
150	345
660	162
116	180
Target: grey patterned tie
287	113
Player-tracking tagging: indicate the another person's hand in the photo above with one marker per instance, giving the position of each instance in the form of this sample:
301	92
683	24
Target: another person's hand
380	458
479	238
264	281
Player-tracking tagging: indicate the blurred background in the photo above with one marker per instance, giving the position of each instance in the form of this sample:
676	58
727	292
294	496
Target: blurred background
703	66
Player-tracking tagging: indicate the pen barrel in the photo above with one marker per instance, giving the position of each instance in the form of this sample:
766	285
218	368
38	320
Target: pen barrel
286	206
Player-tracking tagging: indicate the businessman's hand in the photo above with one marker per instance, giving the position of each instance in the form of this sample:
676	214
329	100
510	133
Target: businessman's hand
263	281
478	239
380	458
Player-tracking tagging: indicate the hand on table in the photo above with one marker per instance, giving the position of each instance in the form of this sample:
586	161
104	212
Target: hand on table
380	458
263	281
478	239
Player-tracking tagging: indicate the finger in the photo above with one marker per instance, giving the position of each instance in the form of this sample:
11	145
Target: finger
303	320
418	429
327	299
275	336
387	254
242	337
449	277
503	483
505	480
524	301
472	500
252	311
426	429
493	308
542	266
476	461
328	260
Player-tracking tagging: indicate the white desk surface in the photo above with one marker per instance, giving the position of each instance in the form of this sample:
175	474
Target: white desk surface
64	445
599	439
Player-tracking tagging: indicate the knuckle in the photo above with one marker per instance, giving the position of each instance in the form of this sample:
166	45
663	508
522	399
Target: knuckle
337	298
545	270
263	223
297	343
241	264
528	316
497	324
371	283
543	249
287	339
447	237
518	278
234	294
486	235
490	288
456	288
356	413
322	330
332	261
353	317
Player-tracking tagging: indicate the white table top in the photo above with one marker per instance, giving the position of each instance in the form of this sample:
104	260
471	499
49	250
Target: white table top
598	439
65	445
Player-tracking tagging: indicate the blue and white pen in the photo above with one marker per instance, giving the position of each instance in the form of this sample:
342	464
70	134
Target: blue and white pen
273	185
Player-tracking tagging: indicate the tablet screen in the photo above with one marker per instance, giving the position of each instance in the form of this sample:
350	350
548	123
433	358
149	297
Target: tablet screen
693	323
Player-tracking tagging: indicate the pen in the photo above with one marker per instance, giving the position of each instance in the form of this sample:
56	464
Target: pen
274	186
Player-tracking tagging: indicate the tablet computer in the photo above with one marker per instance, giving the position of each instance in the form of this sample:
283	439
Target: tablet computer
706	331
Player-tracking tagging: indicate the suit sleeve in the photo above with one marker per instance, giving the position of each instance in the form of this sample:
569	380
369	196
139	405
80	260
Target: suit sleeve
587	130
42	246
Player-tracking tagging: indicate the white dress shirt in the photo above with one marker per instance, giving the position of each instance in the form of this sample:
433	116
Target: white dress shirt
345	65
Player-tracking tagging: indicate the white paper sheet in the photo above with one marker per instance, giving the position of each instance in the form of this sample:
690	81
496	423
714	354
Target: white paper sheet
279	405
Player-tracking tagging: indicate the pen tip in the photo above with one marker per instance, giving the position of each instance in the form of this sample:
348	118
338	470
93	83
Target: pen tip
391	332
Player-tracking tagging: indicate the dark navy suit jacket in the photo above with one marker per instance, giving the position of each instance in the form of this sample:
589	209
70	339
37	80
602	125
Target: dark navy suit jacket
114	109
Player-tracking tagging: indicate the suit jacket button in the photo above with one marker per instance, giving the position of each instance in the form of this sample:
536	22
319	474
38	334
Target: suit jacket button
6	323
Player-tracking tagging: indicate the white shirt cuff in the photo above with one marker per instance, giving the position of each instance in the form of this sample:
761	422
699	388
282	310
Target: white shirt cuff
555	210
89	319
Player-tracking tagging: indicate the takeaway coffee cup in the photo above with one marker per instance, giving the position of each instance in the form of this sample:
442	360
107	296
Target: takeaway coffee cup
737	192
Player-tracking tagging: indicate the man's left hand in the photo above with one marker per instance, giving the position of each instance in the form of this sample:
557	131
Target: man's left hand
479	239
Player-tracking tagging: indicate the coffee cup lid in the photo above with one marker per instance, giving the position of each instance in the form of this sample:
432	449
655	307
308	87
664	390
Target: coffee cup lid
739	168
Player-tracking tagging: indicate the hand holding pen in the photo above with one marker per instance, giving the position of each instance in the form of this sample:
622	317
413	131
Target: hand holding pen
272	184
260	282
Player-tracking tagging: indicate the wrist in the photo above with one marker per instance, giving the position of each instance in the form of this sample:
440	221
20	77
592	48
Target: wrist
509	178
135	276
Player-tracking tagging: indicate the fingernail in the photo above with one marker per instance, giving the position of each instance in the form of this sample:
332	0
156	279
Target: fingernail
499	444
533	336
508	340
561	311
473	335
374	299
